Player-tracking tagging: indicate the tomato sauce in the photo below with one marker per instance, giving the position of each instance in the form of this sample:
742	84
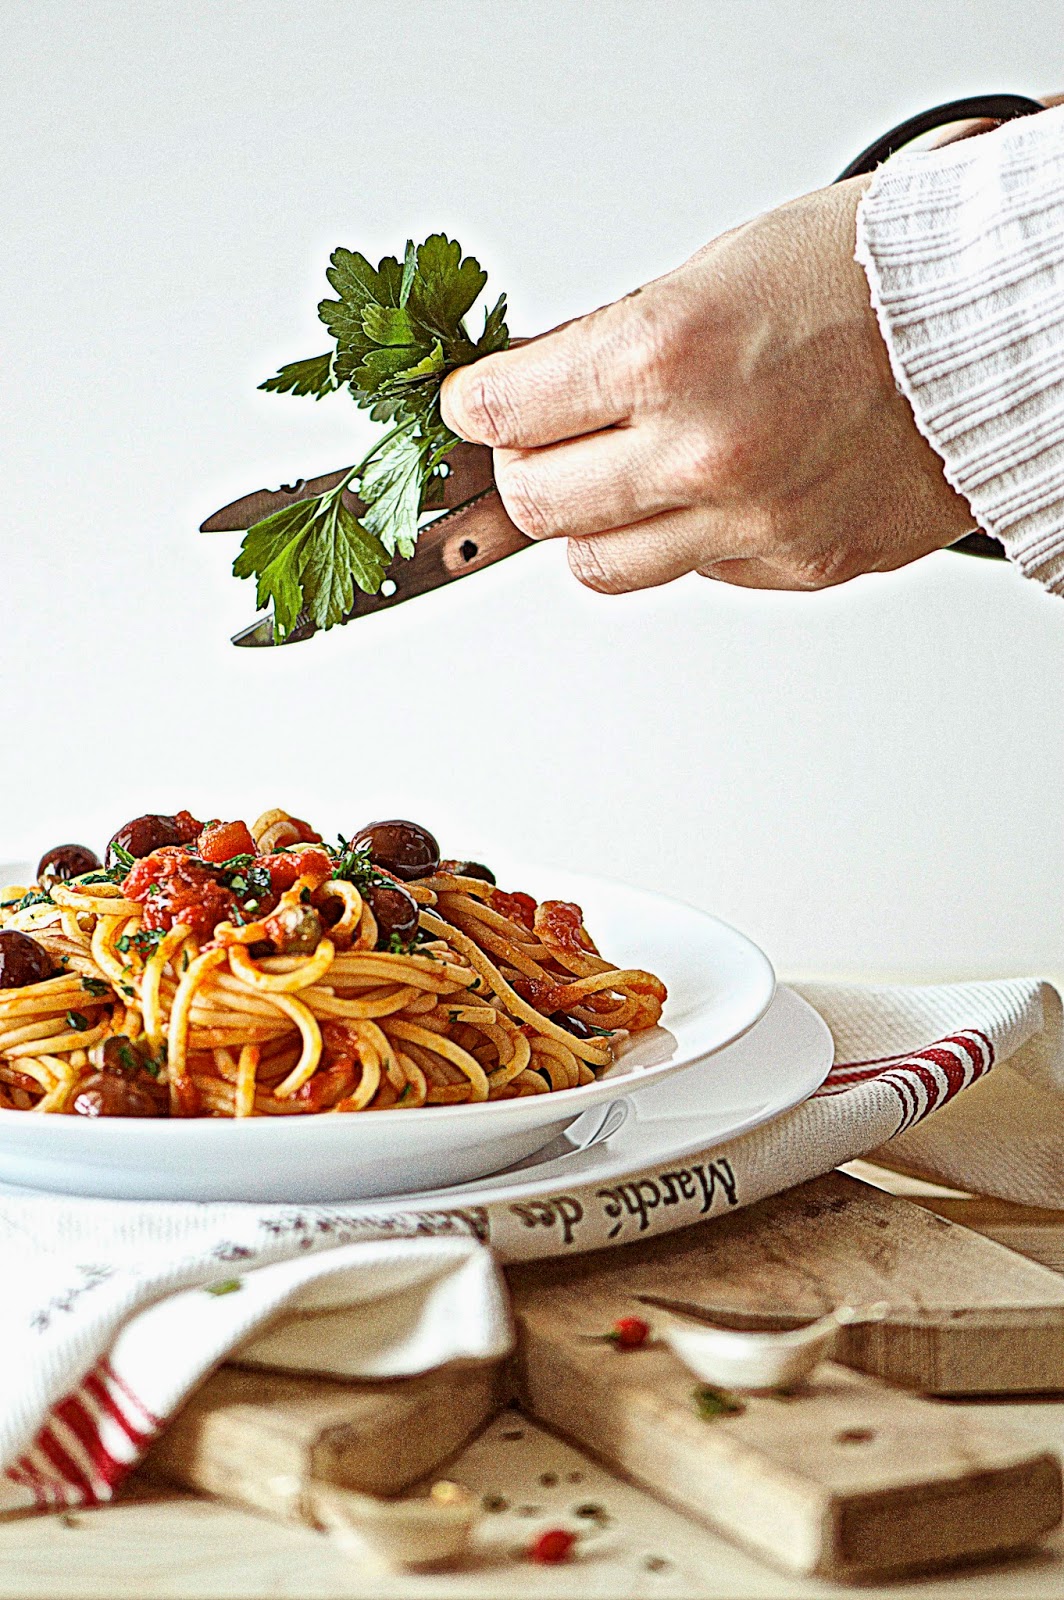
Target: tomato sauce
174	886
518	907
288	865
221	841
561	923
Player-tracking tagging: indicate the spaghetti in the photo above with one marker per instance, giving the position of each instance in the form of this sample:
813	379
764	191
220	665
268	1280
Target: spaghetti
232	972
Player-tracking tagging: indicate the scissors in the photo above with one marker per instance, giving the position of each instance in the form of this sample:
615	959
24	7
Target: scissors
472	530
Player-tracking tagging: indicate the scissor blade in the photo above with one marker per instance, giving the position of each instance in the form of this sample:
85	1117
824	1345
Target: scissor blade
474	535
469	473
251	508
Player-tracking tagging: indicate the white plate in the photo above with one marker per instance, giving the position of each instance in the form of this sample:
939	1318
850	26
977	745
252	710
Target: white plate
770	1070
720	985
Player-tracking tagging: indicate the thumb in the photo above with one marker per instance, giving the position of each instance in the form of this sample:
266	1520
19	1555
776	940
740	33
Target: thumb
566	383
463	406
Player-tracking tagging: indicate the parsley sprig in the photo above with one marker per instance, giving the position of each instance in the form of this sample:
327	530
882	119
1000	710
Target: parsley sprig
399	329
354	864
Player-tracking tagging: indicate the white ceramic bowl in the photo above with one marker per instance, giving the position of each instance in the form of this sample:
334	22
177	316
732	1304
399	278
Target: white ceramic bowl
720	985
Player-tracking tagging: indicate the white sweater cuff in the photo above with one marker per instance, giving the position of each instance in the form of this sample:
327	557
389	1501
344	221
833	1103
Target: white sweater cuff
964	252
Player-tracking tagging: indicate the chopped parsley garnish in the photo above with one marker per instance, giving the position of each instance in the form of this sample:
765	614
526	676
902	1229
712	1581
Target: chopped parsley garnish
145	941
153	1065
95	987
399	330
77	1021
123	857
397	946
109	875
230	1286
32	897
354	864
711	1402
249	879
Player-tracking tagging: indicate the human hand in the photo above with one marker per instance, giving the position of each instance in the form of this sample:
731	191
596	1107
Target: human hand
737	417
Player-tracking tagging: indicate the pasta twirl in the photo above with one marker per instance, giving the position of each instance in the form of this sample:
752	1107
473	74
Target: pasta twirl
232	972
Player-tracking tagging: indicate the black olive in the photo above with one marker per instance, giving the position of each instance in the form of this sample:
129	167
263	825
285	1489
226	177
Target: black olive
396	913
145	834
468	869
573	1025
118	1053
400	847
122	1085
22	960
109	1094
65	861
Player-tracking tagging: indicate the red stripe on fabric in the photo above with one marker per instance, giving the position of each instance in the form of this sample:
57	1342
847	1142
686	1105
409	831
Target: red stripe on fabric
64	1464
22	1474
963	1039
956	1072
975	1044
857	1074
976	1052
150	1419
874	1061
932	1086
982	1054
95	1386
41	1484
82	1425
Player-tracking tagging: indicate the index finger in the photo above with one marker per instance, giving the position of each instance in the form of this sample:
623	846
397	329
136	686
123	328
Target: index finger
565	384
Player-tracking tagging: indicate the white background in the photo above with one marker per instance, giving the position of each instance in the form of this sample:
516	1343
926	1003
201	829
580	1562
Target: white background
867	780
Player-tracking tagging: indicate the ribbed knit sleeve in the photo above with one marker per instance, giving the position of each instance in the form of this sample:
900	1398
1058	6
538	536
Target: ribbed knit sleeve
964	252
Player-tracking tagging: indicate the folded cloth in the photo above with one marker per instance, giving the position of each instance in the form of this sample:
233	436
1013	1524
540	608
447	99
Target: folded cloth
114	1311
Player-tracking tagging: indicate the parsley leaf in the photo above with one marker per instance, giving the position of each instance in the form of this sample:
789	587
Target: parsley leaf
392	486
306	557
399	329
313	376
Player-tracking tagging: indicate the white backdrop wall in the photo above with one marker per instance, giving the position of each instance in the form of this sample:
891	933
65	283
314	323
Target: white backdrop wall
869	780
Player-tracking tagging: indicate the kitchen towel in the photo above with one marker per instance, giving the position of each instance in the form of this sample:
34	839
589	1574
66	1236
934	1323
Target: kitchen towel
113	1312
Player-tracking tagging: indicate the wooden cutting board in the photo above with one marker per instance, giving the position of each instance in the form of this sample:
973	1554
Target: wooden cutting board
849	1478
967	1316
